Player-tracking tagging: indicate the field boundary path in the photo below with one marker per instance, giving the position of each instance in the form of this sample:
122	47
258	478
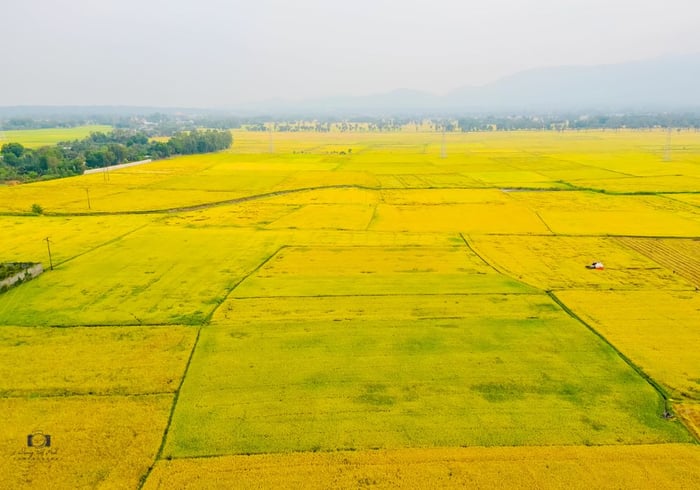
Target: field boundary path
116	167
284	192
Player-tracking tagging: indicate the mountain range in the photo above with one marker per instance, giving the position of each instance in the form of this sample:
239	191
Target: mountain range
662	84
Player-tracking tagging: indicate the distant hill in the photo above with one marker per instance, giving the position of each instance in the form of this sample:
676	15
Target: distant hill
661	84
668	83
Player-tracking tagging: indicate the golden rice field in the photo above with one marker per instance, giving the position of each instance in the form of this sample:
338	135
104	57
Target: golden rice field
558	262
655	328
470	369
563	467
140	279
107	441
55	362
680	256
102	394
352	309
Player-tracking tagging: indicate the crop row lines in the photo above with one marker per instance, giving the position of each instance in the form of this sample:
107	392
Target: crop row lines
668	257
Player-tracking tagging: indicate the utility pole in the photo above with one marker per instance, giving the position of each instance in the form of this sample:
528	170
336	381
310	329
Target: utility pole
48	246
667	150
443	149
87	191
271	148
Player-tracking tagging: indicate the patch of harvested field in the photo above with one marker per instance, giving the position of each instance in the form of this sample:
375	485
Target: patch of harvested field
689	412
680	256
560	263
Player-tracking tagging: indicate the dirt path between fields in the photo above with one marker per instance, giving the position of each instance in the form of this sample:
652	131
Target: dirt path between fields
116	167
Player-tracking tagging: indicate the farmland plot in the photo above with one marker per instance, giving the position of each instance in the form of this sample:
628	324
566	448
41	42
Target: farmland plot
345	348
304	271
680	256
589	213
39	361
106	440
330	373
358	308
34	138
655	328
559	262
471	218
86	407
70	237
157	275
565	467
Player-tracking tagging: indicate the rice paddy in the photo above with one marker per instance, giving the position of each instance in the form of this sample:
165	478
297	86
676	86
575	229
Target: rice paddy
353	309
35	138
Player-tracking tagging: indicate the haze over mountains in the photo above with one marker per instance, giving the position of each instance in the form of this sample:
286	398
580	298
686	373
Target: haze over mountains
661	84
665	84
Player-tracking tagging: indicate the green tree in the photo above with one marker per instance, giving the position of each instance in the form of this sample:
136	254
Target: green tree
15	149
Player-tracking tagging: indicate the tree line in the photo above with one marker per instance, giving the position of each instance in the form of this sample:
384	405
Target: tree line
171	122
102	150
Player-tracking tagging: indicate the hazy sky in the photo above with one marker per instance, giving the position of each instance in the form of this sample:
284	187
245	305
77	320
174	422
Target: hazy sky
216	53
